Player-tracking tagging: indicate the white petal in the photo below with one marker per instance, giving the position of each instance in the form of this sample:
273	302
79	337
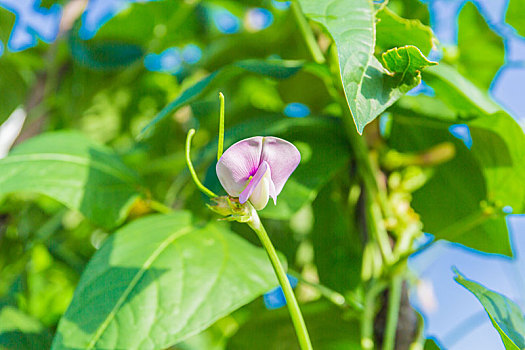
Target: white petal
261	193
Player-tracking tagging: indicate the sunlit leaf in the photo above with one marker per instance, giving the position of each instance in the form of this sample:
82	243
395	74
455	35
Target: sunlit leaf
75	171
407	60
514	15
504	314
481	51
160	280
369	89
395	31
458	92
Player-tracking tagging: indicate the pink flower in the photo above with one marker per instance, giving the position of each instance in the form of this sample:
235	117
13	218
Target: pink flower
257	168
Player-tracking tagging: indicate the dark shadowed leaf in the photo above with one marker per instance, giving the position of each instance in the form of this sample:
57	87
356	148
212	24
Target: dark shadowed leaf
104	54
21	331
336	241
458	214
278	69
327	325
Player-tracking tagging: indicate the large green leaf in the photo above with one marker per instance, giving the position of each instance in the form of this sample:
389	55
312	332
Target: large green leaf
514	15
504	314
73	170
458	92
336	240
322	157
273	68
481	51
328	327
21	331
395	31
458	214
159	280
368	87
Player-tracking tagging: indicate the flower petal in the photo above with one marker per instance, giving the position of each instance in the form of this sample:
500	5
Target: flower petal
283	157
254	182
260	195
238	163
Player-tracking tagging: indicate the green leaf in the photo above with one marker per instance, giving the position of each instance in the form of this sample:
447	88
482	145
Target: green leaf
504	314
21	331
458	92
368	87
499	146
13	88
321	157
160	280
73	170
407	60
336	240
278	69
395	31
430	344
413	9
514	15
481	51
328	327
457	214
104	54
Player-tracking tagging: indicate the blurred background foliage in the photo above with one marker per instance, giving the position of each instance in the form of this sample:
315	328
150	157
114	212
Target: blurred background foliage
108	68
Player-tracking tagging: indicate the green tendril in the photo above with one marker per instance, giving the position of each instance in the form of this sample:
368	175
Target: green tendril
192	170
221	126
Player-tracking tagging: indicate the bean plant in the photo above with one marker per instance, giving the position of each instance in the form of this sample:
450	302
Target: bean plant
245	174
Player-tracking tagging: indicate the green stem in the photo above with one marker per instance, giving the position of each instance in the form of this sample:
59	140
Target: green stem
394	300
333	296
192	170
221	126
307	34
291	302
367	320
159	207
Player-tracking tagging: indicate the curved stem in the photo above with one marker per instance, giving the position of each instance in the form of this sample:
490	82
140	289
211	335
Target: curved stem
394	300
291	302
192	170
